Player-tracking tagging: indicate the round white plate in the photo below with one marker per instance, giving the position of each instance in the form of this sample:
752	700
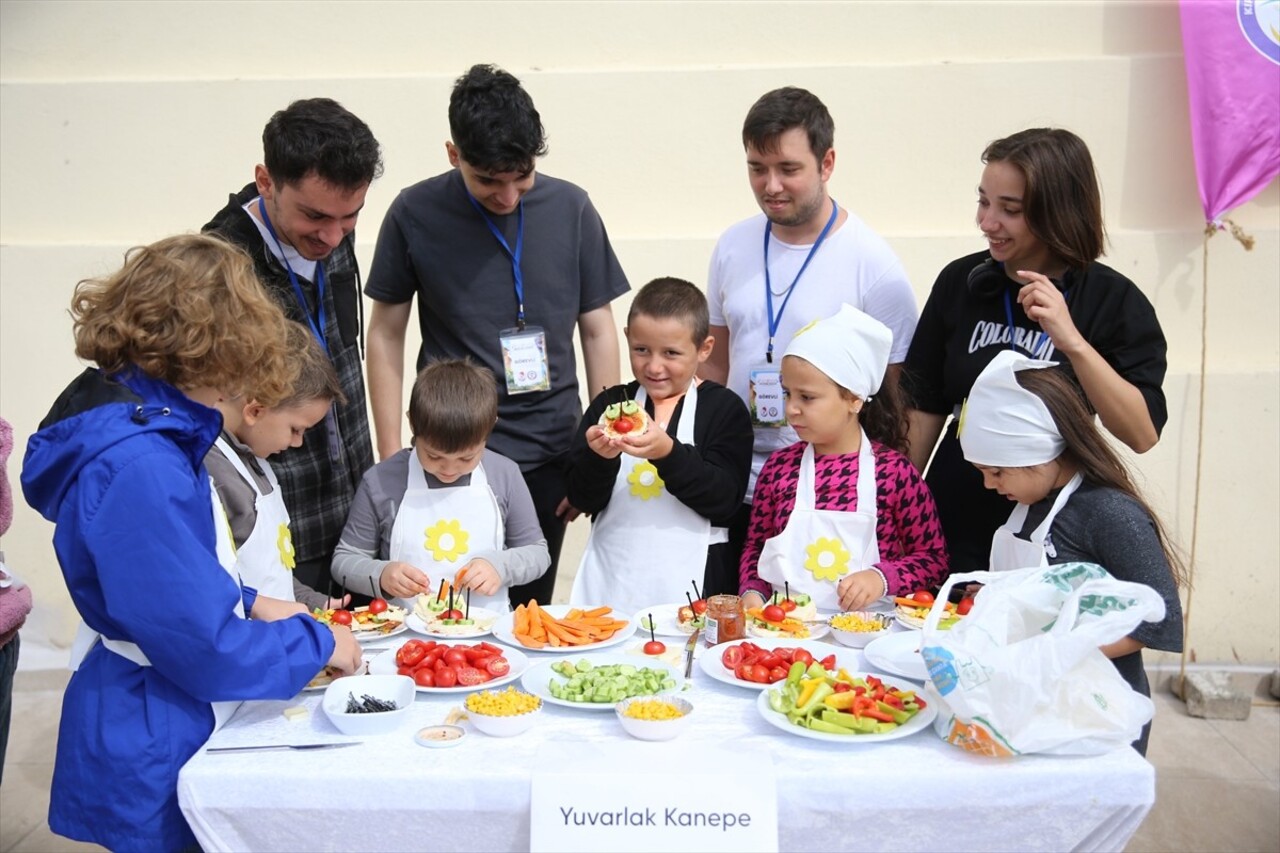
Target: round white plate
665	623
503	630
385	664
537	679
898	652
779	721
912	622
709	660
415	623
817	631
367	634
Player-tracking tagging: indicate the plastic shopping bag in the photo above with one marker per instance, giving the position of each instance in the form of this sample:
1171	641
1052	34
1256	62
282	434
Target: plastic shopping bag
1022	672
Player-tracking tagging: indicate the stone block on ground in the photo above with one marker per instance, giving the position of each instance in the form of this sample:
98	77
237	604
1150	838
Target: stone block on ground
1211	696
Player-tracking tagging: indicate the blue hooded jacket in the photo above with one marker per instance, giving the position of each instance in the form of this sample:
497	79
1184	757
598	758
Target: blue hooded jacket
118	467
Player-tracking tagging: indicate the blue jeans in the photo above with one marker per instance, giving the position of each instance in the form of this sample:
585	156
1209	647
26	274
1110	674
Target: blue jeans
8	665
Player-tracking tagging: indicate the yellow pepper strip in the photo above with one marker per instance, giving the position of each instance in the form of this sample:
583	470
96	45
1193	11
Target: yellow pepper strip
840	701
807	687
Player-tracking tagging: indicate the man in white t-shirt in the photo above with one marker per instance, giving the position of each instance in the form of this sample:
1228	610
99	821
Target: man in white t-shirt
798	262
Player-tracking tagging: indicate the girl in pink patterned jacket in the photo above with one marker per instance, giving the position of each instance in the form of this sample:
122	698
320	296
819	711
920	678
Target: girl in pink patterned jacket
841	516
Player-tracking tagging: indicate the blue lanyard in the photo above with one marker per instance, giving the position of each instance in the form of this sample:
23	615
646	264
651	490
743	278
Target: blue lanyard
774	322
318	331
514	256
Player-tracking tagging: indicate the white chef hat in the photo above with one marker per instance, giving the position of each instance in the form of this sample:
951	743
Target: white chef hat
1004	425
850	347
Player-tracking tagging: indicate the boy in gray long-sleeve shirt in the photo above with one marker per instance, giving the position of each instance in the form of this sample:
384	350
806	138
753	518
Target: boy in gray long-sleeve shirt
445	504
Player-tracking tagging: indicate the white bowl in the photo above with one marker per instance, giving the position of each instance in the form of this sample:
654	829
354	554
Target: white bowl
390	688
859	639
507	725
655	729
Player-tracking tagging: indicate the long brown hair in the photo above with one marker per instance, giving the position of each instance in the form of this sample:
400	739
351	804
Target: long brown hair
883	416
1088	450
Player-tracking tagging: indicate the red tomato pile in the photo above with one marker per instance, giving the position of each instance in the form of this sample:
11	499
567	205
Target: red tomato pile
432	664
750	662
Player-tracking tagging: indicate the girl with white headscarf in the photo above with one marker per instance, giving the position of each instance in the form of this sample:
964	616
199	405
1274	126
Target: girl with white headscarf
1027	431
842	515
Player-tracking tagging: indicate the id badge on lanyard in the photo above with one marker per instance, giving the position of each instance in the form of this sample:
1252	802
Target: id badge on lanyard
764	396
524	359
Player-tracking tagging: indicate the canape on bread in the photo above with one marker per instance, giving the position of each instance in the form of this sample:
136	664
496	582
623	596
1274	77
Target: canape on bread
626	418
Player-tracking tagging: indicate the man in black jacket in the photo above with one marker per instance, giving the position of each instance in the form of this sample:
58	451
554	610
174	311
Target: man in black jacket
297	221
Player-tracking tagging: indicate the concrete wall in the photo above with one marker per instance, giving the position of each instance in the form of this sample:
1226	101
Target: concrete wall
121	122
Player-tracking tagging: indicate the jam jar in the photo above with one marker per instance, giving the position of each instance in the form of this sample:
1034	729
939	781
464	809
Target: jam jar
725	619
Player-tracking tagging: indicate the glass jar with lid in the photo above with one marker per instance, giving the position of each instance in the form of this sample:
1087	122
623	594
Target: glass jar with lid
725	619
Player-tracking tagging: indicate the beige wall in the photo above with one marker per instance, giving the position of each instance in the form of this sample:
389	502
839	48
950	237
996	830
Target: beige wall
123	122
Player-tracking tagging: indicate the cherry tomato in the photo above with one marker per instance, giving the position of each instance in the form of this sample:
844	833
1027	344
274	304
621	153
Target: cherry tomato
700	606
469	676
773	613
438	664
455	656
751	648
785	654
965	605
481	661
770	660
731	658
489	647
446	677
424	678
623	425
787	605
378	605
405	670
803	656
759	674
498	667
452	614
923	596
777	674
411	654
341	617
753	658
743	672
829	663
654	647
842	687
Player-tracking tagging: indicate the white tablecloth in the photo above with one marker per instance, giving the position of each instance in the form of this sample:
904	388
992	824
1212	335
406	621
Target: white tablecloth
917	793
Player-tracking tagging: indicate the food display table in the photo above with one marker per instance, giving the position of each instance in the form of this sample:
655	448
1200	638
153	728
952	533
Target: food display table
917	793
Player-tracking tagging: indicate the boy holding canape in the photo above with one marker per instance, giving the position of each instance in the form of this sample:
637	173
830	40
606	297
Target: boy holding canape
668	486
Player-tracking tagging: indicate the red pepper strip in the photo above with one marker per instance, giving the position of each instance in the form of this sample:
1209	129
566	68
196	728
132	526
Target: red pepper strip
877	714
892	699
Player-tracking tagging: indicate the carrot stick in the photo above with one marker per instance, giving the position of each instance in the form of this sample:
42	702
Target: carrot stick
597	612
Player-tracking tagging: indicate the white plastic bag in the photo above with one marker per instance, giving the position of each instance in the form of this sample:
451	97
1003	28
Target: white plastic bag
1022	672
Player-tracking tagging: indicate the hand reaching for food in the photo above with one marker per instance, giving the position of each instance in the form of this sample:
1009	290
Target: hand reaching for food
860	589
347	655
481	576
401	580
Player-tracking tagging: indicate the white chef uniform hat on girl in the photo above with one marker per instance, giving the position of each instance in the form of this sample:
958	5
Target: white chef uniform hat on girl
850	347
1002	424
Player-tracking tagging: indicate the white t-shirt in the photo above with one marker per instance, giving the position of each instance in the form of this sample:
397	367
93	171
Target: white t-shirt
853	265
302	267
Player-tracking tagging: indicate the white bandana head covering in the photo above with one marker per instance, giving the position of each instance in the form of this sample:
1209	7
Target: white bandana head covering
1002	424
850	347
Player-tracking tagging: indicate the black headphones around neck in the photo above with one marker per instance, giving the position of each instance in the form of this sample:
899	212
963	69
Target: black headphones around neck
987	280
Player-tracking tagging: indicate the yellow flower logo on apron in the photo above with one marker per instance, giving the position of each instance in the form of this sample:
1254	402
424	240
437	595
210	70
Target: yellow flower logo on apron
645	482
826	559
446	540
284	544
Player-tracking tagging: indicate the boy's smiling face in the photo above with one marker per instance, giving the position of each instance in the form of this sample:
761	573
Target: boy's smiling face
664	355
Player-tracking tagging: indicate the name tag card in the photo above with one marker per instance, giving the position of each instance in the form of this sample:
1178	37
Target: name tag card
652	796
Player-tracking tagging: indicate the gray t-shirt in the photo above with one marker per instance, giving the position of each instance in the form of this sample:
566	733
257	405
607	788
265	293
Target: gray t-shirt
1104	526
363	551
435	245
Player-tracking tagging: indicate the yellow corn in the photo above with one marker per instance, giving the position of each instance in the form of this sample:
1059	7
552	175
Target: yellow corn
653	709
504	703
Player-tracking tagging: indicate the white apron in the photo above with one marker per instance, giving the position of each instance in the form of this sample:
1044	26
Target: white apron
819	547
645	545
1008	552
266	559
437	530
86	637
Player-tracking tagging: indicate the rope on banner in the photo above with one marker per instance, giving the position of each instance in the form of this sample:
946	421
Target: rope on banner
1247	241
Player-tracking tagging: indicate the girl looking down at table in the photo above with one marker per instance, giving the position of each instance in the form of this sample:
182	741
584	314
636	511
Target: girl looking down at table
1038	290
1025	428
842	515
180	335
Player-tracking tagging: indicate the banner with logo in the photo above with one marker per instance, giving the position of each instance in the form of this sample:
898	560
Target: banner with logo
1232	50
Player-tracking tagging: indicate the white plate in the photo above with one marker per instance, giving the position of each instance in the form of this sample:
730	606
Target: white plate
503	630
817	631
538	678
779	721
415	623
370	636
709	660
898	652
385	664
665	622
912	622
